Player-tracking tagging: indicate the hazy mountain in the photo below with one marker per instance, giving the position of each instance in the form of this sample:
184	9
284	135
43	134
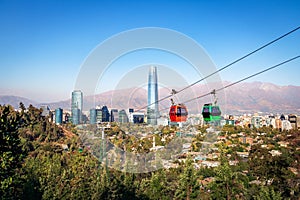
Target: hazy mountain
265	97
15	101
240	98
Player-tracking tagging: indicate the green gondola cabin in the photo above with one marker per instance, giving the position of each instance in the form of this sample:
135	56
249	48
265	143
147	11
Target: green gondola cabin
211	113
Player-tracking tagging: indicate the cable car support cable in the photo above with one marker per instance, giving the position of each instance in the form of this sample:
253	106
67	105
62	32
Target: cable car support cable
248	77
230	64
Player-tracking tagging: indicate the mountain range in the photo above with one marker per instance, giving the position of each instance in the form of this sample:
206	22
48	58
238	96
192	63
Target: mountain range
241	98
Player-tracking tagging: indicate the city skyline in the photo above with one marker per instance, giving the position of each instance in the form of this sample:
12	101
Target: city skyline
140	99
43	44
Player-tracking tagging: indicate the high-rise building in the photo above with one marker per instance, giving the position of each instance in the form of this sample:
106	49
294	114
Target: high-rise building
66	117
98	115
137	118
76	107
105	114
114	115
123	117
293	121
256	121
45	110
58	116
152	110
93	116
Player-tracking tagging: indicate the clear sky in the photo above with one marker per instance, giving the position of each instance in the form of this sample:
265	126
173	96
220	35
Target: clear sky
43	43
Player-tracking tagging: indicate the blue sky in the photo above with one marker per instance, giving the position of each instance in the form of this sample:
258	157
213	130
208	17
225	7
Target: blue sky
44	43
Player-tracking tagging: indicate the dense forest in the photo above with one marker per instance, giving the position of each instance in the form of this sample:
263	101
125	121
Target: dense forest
34	165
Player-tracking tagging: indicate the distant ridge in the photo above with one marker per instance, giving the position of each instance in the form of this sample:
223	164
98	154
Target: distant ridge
264	97
15	101
241	98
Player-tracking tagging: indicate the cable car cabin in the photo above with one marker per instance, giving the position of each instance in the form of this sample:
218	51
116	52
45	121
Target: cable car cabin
211	113
178	113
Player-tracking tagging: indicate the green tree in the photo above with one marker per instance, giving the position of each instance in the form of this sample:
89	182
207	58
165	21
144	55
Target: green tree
156	187
267	193
11	153
188	186
272	170
228	184
63	176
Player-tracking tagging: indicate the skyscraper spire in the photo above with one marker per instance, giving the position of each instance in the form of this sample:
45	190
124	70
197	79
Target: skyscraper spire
152	110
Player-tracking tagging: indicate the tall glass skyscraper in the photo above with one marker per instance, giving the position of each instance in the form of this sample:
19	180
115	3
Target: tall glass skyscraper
58	115
152	110
76	107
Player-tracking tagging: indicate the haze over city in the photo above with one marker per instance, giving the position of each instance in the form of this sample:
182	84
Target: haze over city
45	43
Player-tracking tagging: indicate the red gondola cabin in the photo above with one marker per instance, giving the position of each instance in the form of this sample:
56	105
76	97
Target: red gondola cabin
178	113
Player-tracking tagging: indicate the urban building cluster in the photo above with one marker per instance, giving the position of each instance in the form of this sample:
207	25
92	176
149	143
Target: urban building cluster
101	114
279	121
152	116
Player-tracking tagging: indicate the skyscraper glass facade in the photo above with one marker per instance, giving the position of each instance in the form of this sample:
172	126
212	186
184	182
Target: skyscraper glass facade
76	106
152	110
93	116
105	114
58	115
98	115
